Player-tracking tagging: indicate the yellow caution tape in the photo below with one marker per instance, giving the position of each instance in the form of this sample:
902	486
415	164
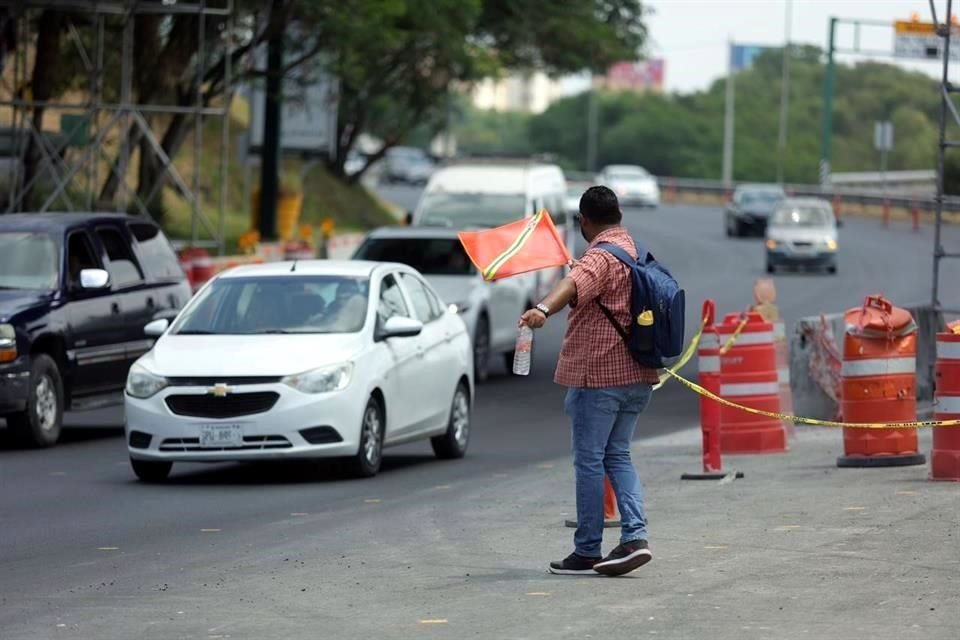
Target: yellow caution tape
693	386
733	339
685	358
813	421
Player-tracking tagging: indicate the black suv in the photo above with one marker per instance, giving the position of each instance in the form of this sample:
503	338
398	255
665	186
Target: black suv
76	291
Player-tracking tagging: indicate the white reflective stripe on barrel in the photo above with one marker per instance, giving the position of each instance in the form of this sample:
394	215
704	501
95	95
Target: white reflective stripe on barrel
878	367
946	404
779	331
709	341
749	389
948	350
709	364
763	337
783	375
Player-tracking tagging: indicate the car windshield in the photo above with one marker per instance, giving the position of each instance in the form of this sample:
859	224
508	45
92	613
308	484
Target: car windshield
28	260
628	174
761	197
429	256
804	216
277	304
458	210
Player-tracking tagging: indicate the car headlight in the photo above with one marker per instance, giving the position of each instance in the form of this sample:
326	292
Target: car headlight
831	244
8	343
772	244
142	384
322	380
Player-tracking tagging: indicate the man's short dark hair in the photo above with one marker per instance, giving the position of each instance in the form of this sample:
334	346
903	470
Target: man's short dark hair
600	206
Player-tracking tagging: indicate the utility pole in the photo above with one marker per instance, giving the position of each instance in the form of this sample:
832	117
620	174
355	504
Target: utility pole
728	128
592	127
827	116
270	164
784	96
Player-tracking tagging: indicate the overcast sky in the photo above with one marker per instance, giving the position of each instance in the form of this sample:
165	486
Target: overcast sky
692	35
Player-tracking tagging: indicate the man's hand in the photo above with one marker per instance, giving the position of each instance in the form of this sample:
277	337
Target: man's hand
533	318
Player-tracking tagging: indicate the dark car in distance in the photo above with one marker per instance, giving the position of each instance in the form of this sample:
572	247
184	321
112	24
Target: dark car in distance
75	293
751	208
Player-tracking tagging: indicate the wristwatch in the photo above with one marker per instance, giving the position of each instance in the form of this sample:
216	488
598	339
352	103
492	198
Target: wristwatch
544	309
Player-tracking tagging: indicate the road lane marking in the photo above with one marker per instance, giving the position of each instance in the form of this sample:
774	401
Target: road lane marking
716	546
372	501
299	513
538	593
787	527
906	493
443	486
108	548
854	508
210	530
434	621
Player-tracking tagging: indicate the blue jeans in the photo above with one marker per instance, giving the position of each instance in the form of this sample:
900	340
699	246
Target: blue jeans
603	422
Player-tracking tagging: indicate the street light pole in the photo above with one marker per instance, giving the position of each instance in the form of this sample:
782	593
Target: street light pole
827	115
784	96
728	128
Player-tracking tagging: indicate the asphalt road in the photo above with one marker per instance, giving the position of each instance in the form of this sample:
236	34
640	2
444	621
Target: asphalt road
75	525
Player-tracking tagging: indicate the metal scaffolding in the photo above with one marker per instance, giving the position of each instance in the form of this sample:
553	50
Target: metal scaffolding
944	30
72	161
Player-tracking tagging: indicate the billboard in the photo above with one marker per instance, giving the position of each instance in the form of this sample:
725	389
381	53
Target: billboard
308	122
919	40
646	75
743	55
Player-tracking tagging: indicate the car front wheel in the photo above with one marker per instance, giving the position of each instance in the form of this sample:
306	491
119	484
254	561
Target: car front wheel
481	350
366	462
39	424
453	443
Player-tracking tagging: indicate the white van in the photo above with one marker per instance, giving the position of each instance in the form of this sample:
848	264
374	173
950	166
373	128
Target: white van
490	194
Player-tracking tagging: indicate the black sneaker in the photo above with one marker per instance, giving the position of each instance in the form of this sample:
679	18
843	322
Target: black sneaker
624	559
574	565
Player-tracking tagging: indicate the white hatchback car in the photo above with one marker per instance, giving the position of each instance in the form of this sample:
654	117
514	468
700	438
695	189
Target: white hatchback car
302	360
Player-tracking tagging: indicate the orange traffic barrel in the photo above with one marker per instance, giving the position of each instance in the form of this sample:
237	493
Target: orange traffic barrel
782	349
748	376
945	457
879	385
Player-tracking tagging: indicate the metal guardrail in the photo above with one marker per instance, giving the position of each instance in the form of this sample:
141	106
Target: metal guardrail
845	195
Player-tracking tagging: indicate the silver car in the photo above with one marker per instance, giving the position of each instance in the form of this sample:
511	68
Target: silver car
633	185
802	232
490	310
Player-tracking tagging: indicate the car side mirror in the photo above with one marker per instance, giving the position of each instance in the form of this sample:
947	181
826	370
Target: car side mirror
398	327
94	279
408	218
156	328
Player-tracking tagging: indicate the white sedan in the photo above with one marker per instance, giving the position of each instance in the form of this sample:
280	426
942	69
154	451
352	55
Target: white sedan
302	360
489	309
633	185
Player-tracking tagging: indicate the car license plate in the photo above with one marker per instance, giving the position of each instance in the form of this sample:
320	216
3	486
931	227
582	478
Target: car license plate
221	436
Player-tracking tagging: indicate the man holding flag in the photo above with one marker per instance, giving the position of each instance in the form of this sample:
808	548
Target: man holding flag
607	390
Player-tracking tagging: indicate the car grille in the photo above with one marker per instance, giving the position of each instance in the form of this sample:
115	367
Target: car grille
803	245
250	443
234	381
233	405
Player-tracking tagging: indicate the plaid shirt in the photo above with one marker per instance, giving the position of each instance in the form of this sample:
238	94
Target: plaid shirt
593	353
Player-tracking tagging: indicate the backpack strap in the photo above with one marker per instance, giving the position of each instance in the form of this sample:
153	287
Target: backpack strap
625	258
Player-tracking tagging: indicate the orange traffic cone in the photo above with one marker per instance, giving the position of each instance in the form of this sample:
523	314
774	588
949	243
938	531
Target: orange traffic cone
611	518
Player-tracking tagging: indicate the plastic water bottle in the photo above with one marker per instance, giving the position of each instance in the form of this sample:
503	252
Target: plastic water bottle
523	352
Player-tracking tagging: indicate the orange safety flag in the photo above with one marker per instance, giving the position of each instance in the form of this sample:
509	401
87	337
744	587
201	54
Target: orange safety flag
515	248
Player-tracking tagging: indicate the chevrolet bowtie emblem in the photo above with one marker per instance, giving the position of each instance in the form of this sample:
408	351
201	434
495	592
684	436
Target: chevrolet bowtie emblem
220	390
